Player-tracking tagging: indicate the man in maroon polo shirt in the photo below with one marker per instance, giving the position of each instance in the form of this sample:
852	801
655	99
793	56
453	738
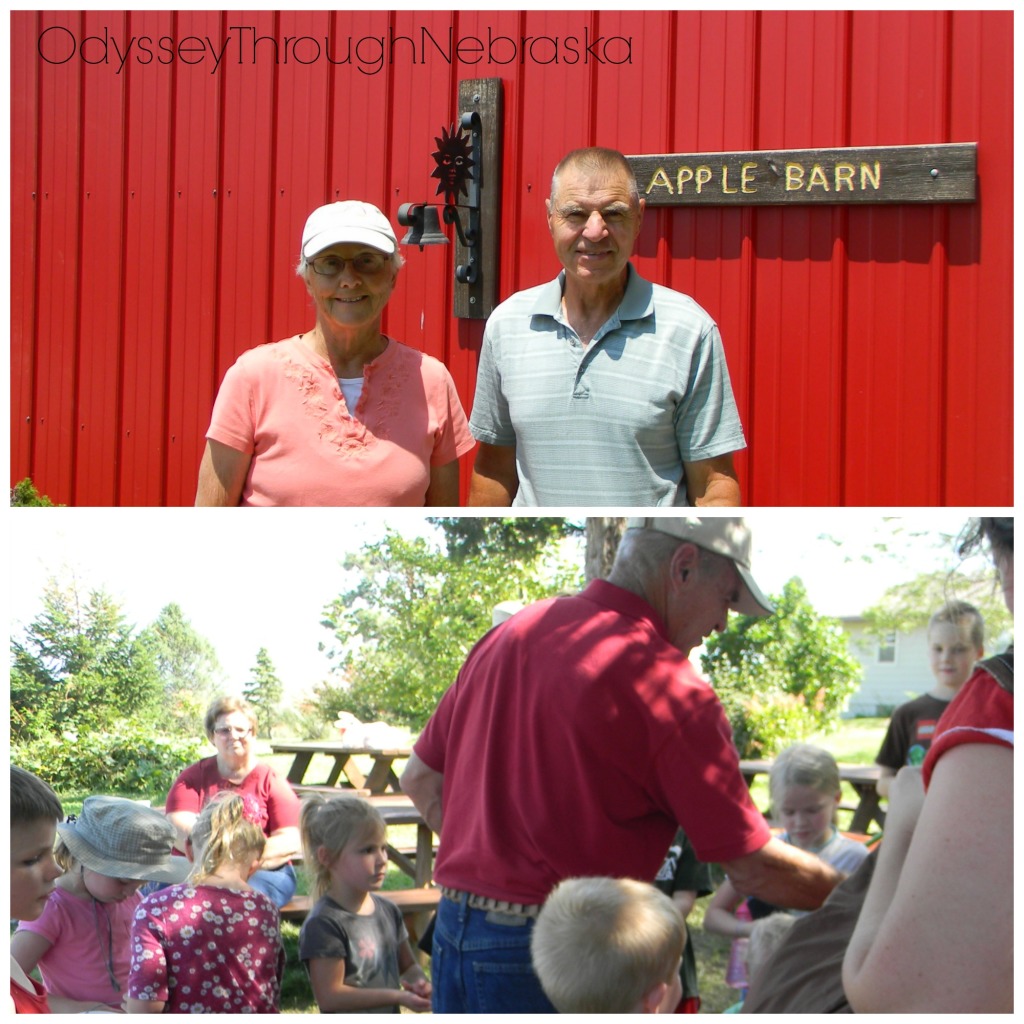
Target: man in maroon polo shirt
575	740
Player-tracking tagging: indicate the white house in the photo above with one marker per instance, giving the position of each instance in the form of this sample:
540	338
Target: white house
895	669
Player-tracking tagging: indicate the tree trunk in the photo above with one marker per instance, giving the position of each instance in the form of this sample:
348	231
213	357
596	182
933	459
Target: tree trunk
603	536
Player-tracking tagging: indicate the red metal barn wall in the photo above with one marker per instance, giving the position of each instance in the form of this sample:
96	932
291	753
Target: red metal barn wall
157	207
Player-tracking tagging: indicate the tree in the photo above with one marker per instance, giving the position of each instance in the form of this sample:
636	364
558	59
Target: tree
188	668
264	691
603	538
405	627
908	606
520	538
80	667
782	677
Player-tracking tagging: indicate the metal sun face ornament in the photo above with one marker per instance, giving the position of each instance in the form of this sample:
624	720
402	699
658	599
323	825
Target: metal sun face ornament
454	164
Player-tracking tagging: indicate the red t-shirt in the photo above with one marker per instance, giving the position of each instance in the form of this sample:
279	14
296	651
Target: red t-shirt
197	784
982	712
574	741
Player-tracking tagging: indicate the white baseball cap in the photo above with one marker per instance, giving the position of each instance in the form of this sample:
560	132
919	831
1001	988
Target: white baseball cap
347	221
724	535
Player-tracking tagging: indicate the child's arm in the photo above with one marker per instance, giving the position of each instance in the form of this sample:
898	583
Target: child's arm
327	977
144	1005
719	917
412	976
28	948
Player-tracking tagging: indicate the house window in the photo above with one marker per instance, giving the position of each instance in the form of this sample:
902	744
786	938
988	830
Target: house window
887	649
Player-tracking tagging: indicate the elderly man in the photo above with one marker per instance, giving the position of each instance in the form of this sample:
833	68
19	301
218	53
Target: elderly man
600	388
575	739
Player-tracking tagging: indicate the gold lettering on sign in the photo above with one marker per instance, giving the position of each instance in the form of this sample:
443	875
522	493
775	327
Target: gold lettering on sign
844	176
817	178
799	177
659	179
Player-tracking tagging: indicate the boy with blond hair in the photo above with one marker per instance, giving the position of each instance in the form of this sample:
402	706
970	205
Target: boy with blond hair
956	634
609	945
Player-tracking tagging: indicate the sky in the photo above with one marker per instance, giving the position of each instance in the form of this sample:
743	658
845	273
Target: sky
262	579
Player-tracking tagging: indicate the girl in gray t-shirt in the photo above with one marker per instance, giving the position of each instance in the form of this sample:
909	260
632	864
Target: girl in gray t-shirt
354	943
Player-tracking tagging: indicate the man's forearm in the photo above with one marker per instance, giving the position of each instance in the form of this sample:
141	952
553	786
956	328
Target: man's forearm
785	876
722	491
485	491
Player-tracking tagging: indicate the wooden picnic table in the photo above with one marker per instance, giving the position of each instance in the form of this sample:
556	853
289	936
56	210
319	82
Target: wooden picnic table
378	781
861	777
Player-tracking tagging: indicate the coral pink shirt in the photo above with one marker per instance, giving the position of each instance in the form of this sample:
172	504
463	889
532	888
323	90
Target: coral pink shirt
282	403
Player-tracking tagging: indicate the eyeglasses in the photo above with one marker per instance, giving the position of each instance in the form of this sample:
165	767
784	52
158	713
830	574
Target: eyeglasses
232	730
364	263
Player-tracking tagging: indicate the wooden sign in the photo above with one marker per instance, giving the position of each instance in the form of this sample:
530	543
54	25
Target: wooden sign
944	173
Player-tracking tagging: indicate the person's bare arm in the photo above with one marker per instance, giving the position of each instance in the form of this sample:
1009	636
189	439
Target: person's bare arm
282	846
183	822
720	915
684	899
222	475
712	482
495	480
443	489
423	786
935	934
783	875
145	1005
884	783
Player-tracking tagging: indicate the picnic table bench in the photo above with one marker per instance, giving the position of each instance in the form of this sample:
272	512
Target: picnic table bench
860	776
378	780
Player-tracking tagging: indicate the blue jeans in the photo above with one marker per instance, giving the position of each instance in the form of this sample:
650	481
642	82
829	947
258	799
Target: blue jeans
278	884
481	962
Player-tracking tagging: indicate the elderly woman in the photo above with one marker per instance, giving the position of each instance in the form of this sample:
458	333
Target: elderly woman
343	414
231	727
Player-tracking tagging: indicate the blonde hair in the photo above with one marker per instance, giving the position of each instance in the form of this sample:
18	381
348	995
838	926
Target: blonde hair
803	764
953	612
333	824
223	834
224	706
766	935
601	944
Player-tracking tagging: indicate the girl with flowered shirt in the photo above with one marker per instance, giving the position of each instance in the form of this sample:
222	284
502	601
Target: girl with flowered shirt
213	943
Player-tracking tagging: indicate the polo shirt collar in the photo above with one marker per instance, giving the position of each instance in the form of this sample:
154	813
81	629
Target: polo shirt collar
625	602
637	301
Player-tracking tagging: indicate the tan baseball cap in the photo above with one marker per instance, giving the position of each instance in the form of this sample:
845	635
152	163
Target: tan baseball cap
724	535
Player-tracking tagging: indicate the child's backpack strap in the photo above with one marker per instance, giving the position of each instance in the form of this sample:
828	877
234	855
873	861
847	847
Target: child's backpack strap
1000	667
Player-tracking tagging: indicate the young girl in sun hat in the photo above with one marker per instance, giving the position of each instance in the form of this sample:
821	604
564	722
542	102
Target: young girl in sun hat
81	940
213	943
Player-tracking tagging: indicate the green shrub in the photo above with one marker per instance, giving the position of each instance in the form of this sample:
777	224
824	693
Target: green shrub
24	494
126	760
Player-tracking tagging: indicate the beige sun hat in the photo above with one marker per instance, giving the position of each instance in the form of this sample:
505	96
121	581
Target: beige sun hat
724	535
122	839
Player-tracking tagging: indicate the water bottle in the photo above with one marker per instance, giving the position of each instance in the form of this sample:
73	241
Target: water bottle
736	972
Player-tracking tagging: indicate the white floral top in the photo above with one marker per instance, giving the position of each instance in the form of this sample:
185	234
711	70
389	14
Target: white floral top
207	949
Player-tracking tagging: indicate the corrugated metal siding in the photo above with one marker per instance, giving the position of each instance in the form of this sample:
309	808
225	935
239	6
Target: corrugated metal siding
156	215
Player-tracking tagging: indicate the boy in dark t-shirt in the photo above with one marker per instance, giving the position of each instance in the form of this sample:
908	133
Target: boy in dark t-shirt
955	642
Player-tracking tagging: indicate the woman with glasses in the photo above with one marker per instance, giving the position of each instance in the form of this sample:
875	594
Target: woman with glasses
342	414
231	727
